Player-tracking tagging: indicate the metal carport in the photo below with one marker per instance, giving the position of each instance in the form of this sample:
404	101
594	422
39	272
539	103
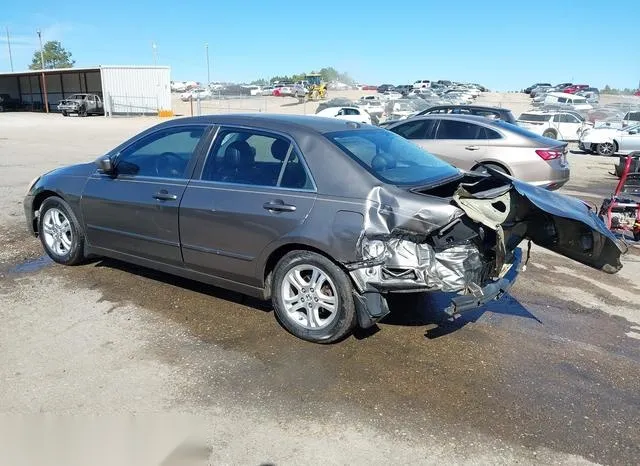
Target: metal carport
124	89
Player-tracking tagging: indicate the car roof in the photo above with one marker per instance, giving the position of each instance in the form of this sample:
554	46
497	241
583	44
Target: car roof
450	116
546	112
276	122
471	107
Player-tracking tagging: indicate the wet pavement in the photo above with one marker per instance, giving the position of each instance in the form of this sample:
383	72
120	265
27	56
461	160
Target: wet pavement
536	369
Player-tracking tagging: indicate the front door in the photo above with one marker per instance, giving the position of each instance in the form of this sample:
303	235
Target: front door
418	131
134	211
254	189
630	140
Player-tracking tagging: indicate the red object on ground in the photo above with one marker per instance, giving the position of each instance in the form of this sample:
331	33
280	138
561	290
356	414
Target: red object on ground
623	213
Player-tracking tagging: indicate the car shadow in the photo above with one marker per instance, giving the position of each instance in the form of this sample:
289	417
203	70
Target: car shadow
427	309
191	285
292	104
409	310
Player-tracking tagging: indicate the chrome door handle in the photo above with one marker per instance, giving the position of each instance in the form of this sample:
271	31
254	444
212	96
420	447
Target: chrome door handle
472	147
278	206
163	195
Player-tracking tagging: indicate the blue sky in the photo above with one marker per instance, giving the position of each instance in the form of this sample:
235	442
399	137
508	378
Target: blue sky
502	44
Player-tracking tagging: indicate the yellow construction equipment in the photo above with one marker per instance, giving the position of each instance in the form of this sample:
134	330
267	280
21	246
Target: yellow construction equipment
316	88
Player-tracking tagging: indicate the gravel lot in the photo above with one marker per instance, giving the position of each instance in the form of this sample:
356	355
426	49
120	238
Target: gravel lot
130	366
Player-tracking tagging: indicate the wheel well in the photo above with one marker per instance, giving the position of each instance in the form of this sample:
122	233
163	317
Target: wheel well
492	163
279	253
615	144
37	202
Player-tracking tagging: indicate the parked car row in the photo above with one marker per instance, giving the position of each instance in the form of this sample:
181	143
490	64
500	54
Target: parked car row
580	96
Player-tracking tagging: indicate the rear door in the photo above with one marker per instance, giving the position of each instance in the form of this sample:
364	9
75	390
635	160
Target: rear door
568	126
461	143
254	188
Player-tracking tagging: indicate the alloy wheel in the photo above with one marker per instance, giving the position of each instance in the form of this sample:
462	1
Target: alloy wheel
56	229
309	297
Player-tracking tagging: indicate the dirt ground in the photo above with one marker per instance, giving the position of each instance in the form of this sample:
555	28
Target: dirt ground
107	363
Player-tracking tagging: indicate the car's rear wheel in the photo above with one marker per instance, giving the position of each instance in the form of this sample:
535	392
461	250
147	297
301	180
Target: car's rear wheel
312	297
551	134
606	148
60	232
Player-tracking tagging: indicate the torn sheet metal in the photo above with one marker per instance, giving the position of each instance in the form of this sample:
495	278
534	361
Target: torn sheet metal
395	252
393	214
408	265
554	221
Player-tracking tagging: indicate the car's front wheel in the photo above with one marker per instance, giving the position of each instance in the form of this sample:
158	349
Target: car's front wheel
312	297
60	232
551	134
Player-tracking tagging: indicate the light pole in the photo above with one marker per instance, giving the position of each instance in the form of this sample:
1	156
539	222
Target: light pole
42	67
45	97
206	47
9	46
155	53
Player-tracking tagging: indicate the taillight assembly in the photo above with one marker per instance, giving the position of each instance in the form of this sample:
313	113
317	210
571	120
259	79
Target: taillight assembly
549	154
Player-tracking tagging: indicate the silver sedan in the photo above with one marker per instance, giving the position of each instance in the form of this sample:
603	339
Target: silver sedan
474	142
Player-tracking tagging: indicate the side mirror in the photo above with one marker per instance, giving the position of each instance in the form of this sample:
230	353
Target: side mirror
105	165
633	131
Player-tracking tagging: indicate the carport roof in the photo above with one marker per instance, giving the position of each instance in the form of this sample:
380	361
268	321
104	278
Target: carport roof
47	71
76	70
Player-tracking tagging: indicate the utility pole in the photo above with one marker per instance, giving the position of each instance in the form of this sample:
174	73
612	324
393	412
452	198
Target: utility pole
155	53
9	46
206	47
45	97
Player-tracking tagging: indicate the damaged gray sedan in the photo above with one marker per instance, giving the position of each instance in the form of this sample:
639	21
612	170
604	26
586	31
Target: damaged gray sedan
322	216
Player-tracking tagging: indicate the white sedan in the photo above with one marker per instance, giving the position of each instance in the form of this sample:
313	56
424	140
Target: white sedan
196	94
356	114
608	141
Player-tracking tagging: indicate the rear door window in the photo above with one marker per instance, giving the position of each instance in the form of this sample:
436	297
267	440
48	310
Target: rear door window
454	129
256	158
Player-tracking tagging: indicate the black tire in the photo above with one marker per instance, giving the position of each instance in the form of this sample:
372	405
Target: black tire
73	255
345	314
64	113
619	168
82	112
606	149
549	133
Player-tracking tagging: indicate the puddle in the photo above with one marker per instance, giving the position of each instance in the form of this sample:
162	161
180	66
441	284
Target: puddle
32	265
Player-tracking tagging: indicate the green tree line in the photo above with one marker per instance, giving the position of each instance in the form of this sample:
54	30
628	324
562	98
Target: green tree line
327	74
609	90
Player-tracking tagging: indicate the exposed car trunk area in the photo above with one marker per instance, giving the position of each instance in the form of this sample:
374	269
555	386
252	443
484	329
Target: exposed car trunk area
463	236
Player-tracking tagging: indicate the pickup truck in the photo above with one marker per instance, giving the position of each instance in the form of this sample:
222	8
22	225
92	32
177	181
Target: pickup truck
82	104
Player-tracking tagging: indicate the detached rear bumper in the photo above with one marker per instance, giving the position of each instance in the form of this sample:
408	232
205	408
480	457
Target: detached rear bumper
489	292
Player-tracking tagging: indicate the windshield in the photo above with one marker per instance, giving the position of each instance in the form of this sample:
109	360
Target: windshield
391	158
77	96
